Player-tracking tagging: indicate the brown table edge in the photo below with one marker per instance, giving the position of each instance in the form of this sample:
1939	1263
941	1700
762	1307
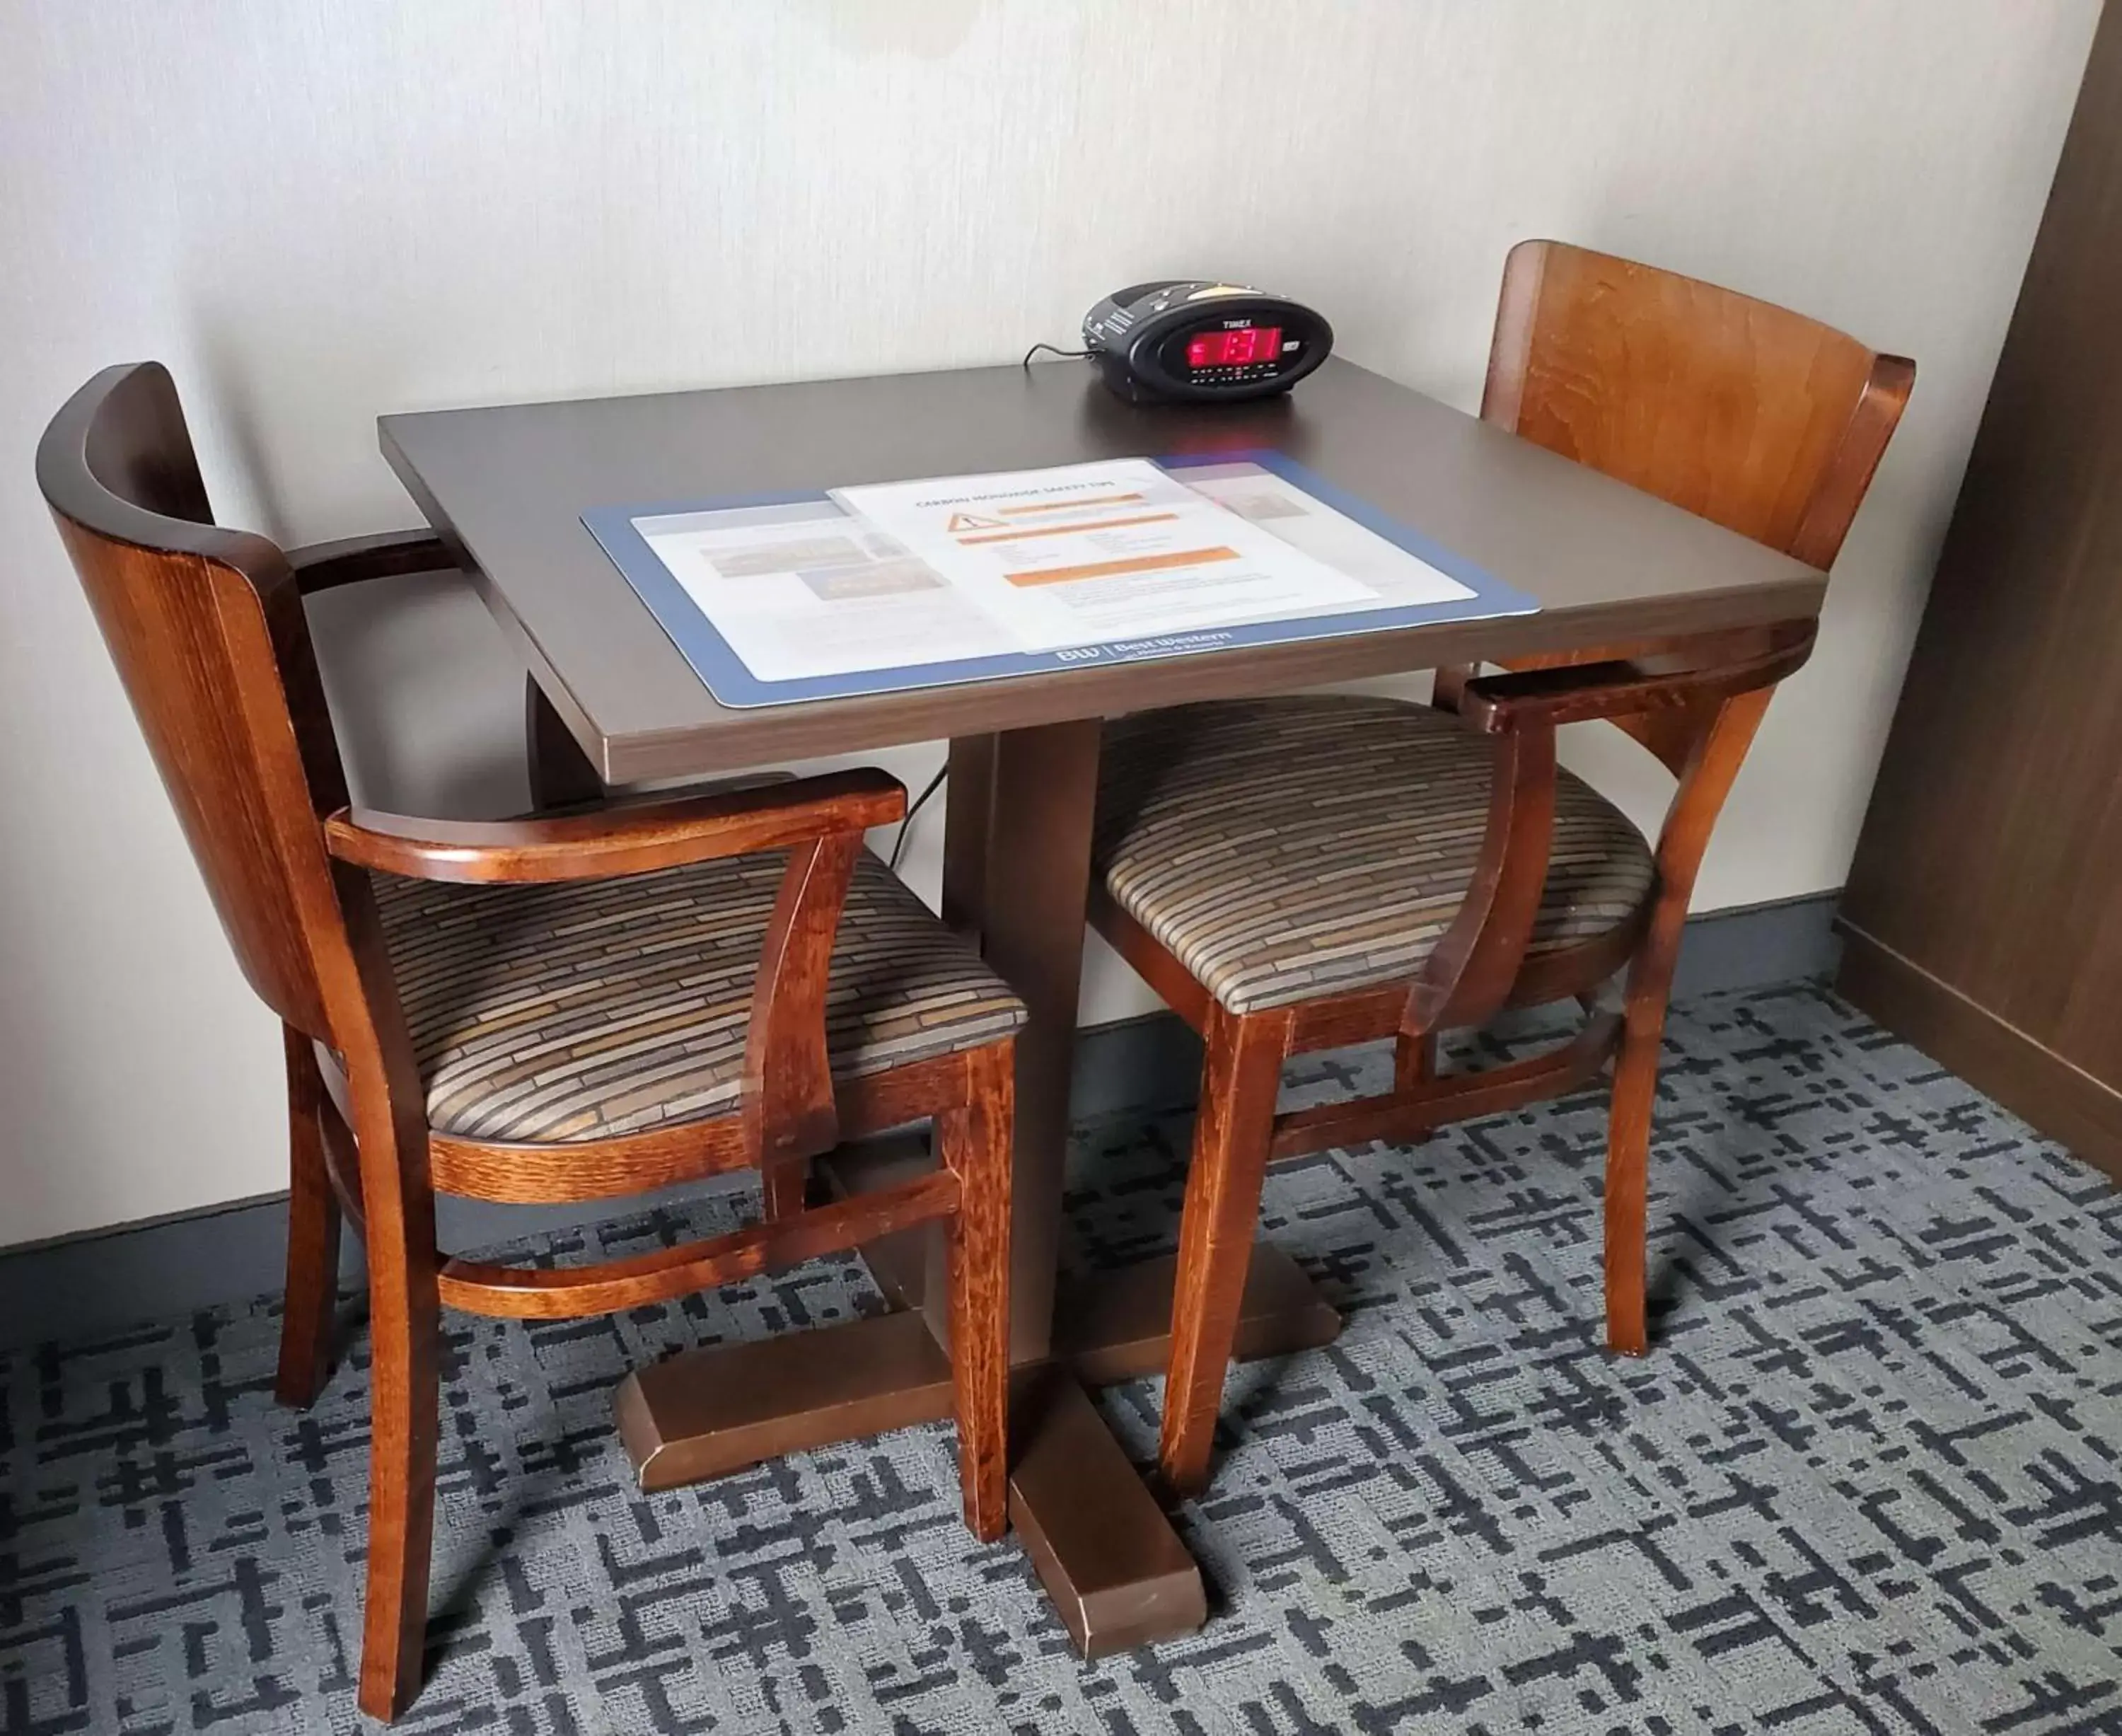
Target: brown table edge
816	728
541	669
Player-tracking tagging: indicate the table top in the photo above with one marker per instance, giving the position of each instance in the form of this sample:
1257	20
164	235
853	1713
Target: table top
507	486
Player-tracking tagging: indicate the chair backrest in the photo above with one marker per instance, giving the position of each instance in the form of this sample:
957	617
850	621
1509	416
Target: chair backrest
1743	413
207	629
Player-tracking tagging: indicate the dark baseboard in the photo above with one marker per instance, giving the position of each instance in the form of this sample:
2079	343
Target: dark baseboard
105	1281
1761	944
2050	1094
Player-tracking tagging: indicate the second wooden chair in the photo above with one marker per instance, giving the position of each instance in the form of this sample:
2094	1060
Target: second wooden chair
1312	873
558	1009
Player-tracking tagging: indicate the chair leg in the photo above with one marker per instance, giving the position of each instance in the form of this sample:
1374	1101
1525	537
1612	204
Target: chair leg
1719	737
1232	1131
1627	1158
404	1424
1415	1061
975	1142
404	1401
313	1232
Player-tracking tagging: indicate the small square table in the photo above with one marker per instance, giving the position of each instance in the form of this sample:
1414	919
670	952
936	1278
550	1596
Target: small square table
613	702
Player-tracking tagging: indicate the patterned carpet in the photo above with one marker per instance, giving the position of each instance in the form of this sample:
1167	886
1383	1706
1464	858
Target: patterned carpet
1868	1481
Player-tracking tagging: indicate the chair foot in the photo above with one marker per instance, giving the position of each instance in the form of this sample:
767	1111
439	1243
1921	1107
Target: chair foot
313	1236
1183	1457
1232	1132
1186	1481
1627	1341
1415	1061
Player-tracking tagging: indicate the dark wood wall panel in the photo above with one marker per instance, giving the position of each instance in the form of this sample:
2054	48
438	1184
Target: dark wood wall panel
1985	908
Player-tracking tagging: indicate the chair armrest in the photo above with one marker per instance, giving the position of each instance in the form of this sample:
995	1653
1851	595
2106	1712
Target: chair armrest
324	566
1498	704
608	843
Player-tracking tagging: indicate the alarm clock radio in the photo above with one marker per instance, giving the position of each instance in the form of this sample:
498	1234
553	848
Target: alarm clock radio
1200	342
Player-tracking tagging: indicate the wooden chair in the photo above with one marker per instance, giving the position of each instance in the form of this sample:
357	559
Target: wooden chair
1306	873
562	1009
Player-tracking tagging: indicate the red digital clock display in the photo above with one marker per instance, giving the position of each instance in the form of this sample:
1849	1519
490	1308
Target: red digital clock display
1234	348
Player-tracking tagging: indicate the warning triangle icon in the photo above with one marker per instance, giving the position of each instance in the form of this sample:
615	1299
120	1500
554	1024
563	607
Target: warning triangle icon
971	521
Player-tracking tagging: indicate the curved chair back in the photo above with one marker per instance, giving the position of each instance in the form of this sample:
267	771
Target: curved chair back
1743	413
206	629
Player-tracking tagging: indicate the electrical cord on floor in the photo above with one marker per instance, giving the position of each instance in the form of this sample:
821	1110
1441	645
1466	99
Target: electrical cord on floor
1066	355
906	826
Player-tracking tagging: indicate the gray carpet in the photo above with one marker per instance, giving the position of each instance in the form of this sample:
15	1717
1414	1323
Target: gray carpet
1868	1481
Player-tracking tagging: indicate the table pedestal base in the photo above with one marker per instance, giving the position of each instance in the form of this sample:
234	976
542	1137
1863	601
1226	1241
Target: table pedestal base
1102	1547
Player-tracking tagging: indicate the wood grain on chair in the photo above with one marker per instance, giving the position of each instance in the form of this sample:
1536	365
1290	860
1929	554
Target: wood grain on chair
208	630
1767	422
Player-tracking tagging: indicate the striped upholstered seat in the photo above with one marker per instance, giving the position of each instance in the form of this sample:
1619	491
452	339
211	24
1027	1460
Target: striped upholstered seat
588	1010
1284	849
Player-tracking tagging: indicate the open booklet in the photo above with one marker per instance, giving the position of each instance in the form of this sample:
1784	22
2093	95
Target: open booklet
883	586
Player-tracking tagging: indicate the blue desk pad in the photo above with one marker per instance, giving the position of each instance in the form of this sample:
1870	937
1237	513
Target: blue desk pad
813	601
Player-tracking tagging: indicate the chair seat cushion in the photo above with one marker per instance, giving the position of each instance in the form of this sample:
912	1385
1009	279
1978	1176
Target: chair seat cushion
591	1009
1284	849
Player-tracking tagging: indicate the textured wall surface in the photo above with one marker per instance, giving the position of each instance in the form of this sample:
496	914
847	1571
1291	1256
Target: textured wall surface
314	214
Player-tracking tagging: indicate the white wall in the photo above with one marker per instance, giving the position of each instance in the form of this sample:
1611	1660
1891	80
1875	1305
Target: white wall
315	213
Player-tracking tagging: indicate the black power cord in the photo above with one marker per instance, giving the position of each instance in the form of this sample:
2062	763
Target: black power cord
906	826
1066	355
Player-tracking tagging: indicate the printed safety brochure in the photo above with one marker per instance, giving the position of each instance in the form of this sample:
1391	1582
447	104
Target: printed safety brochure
884	587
